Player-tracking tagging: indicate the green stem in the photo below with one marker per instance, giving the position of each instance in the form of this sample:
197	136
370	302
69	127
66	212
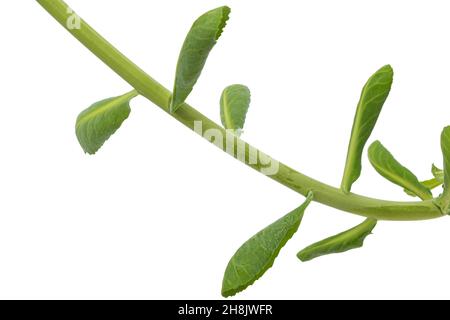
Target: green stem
155	92
130	95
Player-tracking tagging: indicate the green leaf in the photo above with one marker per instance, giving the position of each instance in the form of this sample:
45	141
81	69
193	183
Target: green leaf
200	40
433	183
386	165
443	202
257	255
347	240
98	122
234	104
429	184
437	173
373	96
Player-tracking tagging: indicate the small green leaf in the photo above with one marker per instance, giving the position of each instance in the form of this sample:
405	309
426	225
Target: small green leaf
347	240
258	254
373	96
437	173
98	122
200	40
234	104
386	165
443	202
432	183
429	184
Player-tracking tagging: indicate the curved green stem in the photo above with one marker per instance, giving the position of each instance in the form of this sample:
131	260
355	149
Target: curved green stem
155	92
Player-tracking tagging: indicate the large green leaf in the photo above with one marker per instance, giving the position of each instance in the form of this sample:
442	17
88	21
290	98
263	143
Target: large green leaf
257	255
443	202
373	96
98	122
234	104
386	165
200	40
347	240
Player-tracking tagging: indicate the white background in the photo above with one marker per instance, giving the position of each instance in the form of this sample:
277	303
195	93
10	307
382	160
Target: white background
158	212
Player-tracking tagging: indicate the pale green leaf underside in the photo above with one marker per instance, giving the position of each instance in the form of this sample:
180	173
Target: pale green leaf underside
387	166
200	40
432	183
234	104
443	202
347	240
98	122
373	96
257	255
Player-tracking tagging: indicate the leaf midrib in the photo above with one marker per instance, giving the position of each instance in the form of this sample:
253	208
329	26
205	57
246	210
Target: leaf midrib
109	105
227	112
